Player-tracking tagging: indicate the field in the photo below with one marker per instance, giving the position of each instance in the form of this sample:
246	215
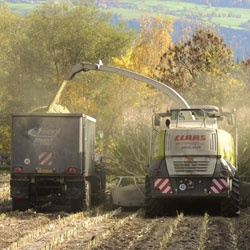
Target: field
103	228
233	18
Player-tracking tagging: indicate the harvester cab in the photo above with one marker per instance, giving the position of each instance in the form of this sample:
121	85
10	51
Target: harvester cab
192	157
195	116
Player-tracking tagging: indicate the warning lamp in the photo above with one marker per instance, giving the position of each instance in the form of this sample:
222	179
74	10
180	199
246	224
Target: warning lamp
72	170
17	169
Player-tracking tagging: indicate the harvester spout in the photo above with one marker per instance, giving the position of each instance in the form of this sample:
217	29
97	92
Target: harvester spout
85	66
78	68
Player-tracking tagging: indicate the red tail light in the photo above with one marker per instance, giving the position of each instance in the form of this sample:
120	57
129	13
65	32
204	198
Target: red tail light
72	170
17	169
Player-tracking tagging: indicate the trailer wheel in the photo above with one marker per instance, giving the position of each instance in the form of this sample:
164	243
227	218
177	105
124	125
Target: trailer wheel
87	204
153	207
231	207
98	187
76	205
20	204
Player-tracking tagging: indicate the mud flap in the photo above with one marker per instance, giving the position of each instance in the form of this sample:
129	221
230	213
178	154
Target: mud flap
75	189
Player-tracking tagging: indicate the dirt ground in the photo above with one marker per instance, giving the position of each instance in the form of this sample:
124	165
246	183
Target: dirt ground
118	229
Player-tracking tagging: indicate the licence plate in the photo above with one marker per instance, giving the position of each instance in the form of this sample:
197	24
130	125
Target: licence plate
44	171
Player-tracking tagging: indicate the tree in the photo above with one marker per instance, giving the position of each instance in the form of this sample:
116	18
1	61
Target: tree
71	35
204	52
154	37
37	50
226	90
45	44
130	138
11	36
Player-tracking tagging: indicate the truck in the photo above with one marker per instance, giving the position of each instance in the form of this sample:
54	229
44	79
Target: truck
53	161
192	159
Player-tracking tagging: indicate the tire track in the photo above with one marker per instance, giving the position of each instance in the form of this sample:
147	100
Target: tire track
189	234
96	229
112	226
241	229
221	234
53	234
128	235
138	232
16	225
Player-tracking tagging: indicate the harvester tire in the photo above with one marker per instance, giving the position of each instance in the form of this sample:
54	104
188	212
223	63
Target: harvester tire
231	207
153	206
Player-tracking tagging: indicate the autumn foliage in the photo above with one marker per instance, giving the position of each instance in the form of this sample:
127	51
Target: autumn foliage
37	50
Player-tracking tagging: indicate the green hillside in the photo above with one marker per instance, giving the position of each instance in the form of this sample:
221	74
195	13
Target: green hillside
234	18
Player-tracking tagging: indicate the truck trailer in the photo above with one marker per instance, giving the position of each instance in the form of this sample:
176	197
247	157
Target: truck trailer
52	161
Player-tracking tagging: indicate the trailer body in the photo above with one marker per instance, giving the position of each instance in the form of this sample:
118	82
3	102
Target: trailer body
53	160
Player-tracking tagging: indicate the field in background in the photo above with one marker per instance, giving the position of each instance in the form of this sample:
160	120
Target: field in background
228	17
234	18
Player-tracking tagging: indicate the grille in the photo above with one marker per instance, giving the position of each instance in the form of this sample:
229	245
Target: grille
195	166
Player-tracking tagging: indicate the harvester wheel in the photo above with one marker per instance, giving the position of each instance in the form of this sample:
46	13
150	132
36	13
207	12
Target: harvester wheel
231	207
153	207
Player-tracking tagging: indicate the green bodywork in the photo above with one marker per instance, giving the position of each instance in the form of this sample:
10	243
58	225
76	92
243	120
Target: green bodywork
226	146
158	146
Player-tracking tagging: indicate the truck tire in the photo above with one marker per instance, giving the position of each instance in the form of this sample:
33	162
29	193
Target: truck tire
76	205
153	207
102	190
98	188
87	203
231	207
20	204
